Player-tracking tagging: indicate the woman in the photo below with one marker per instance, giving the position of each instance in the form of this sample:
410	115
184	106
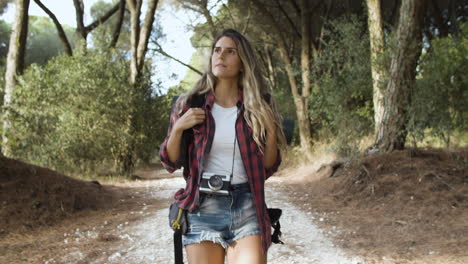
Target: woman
236	131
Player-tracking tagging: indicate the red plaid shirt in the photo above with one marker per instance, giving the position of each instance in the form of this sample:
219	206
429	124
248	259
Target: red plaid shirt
200	146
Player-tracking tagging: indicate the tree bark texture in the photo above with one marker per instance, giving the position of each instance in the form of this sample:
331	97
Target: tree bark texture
377	51
14	65
392	131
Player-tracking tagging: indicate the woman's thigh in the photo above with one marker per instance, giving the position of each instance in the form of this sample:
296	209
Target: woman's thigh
246	250
205	252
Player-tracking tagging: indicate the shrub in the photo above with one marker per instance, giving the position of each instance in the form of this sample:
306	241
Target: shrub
341	106
440	101
72	114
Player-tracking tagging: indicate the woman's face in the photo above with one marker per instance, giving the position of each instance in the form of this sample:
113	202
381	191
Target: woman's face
225	61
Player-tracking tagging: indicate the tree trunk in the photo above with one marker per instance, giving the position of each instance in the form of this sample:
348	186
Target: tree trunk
145	33
14	65
135	11
392	131
80	28
139	45
377	50
301	102
140	35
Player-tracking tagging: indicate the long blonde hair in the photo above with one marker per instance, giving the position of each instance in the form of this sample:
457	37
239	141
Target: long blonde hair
257	111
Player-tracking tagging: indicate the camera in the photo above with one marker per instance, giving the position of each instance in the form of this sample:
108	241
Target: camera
213	183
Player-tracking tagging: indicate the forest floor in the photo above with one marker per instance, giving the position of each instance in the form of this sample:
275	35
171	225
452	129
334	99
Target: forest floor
405	207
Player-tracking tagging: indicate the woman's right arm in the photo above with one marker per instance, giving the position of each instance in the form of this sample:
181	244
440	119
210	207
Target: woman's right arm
173	144
170	150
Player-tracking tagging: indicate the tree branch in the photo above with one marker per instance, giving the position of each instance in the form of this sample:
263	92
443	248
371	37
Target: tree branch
118	27
203	9
102	19
145	32
247	20
296	6
131	5
164	53
192	8
289	19
79	6
230	15
60	31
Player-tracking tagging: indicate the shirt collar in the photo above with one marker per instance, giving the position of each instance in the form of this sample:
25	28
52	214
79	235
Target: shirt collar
210	98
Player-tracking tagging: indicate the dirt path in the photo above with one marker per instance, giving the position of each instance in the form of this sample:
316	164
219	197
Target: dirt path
412	213
149	240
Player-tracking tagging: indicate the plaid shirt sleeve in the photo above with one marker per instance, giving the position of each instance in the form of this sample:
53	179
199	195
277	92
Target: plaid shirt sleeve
274	168
163	155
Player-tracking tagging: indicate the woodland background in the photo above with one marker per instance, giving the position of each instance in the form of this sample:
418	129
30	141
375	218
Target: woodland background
356	76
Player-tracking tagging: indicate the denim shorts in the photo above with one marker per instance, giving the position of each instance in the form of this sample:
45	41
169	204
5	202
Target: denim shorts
223	219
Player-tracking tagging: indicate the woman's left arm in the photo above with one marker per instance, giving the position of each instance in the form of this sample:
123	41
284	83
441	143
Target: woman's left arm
272	155
271	150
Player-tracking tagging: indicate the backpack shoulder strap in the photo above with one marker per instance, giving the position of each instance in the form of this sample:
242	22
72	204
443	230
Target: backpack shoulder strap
196	100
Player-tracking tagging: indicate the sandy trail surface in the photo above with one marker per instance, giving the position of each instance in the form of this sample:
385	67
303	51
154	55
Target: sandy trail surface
150	239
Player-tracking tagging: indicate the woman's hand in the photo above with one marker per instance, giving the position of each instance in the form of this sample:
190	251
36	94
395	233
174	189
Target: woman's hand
192	117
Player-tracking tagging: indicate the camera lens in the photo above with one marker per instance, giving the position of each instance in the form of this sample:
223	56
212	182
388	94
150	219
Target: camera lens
215	183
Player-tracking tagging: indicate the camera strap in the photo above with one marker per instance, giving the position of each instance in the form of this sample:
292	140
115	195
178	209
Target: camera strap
233	155
234	148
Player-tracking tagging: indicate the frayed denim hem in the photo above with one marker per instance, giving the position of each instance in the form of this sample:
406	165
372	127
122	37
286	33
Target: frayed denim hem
206	236
216	238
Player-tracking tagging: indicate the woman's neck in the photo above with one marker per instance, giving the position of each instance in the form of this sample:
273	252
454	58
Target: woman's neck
226	92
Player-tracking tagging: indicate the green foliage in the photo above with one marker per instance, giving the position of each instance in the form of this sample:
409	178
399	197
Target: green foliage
5	31
199	61
72	114
4	5
2	88
43	41
341	103
440	100
102	36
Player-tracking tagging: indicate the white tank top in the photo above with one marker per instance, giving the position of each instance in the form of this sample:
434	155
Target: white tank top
219	159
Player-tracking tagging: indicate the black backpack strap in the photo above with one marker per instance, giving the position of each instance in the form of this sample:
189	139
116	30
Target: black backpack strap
275	214
178	254
197	100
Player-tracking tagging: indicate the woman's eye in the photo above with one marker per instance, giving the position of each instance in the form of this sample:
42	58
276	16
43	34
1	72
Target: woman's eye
232	52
